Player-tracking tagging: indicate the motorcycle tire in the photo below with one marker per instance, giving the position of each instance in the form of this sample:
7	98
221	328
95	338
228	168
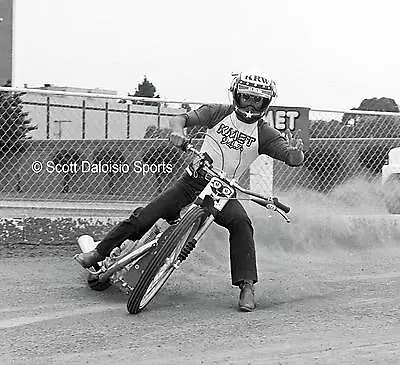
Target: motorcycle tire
171	244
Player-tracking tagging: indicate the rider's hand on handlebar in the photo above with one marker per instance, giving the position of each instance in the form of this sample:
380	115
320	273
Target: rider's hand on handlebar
177	139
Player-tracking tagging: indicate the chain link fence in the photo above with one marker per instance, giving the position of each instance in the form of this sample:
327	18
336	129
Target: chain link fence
97	149
351	158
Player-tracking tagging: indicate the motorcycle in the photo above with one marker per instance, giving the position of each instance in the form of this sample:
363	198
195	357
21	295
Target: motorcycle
140	268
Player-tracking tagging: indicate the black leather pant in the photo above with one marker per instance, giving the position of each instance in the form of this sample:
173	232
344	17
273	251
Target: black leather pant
168	205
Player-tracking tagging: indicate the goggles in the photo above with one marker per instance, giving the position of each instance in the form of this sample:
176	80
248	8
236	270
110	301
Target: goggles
248	97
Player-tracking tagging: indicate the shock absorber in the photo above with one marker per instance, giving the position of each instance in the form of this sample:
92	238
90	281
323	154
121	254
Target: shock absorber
187	249
151	234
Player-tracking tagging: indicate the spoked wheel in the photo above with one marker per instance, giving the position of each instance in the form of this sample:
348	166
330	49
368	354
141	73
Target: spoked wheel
162	264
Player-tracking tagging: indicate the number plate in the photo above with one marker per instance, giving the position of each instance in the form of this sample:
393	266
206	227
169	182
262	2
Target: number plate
220	188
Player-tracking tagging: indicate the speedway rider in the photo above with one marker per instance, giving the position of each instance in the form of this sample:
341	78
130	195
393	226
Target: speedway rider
242	134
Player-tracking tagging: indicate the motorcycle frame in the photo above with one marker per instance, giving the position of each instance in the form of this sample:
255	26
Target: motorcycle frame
219	201
219	188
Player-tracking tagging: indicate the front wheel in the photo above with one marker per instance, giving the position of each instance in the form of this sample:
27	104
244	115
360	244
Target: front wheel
161	266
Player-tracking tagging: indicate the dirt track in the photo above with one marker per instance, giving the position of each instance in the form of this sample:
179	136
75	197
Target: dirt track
329	293
318	303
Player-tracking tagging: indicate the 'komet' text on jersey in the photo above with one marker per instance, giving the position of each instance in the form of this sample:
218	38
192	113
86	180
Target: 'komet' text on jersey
233	138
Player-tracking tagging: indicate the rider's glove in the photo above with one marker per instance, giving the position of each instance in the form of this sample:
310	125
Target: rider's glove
177	139
294	140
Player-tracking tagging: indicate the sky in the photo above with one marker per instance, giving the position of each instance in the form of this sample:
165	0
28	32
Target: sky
323	54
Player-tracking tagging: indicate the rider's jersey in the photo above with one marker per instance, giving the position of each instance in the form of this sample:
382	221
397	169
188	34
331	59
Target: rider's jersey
240	143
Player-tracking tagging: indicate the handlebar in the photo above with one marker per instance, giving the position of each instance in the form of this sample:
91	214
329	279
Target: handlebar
271	203
280	205
186	145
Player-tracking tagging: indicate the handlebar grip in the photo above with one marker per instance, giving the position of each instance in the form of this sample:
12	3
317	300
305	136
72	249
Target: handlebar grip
185	145
281	206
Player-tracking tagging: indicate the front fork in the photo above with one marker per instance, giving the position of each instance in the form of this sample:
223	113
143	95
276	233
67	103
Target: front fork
203	228
217	206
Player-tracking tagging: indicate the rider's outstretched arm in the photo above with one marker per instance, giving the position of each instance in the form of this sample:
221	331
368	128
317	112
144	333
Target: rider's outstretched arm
273	144
207	115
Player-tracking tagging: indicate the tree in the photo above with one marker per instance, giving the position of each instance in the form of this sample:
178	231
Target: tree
14	122
379	105
146	90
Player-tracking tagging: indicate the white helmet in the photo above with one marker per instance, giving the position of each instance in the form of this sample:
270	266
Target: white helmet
253	83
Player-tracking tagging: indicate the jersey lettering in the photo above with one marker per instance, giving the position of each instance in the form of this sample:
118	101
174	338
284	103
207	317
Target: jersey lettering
233	138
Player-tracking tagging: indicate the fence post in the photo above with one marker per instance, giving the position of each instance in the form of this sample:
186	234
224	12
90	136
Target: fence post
106	122
48	117
83	119
128	121
158	116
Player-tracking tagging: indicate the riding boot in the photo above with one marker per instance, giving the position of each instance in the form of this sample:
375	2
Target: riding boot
88	259
246	298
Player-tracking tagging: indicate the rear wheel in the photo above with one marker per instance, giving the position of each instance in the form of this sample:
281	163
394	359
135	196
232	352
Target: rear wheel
127	247
161	266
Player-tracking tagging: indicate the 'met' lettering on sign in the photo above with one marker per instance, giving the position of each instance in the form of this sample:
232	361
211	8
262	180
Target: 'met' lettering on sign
282	119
